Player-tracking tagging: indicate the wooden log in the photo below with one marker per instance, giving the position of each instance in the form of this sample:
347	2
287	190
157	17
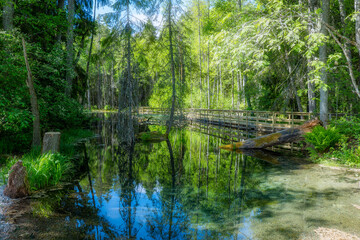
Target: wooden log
273	139
51	142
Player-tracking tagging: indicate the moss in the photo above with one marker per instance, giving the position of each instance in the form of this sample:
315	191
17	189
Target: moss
267	139
232	146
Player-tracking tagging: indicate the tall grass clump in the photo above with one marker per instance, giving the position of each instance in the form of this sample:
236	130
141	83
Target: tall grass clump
44	170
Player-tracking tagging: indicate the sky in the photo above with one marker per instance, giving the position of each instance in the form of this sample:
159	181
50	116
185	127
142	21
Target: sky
136	16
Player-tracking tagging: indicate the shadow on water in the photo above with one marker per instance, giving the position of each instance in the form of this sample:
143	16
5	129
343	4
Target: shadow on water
185	188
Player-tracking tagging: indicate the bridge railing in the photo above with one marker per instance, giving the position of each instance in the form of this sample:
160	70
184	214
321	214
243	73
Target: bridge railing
261	120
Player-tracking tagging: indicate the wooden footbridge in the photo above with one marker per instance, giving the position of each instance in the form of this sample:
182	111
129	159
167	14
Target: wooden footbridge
248	120
231	125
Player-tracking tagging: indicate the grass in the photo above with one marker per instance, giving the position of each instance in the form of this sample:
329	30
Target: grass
45	170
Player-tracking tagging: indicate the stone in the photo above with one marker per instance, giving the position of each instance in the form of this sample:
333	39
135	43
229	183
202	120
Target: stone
18	184
51	142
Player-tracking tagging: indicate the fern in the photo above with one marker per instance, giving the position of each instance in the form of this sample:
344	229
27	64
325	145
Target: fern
323	139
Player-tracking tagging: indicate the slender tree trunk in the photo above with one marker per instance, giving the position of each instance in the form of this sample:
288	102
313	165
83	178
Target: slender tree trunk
8	15
60	5
208	63
220	83
89	57
344	23
82	44
357	22
208	77
129	73
292	83
111	85
172	63
349	63
36	141
217	91
99	87
199	33
246	93
313	5
232	90
323	57
238	76
70	48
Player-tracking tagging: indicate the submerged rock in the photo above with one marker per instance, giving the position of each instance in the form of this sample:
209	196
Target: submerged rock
18	184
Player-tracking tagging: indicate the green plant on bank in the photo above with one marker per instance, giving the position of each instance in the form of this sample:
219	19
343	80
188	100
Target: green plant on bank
43	170
345	155
339	144
322	139
348	126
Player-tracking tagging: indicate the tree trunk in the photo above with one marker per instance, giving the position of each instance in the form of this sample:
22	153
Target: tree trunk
208	62
346	52
129	76
36	141
172	63
232	90
60	5
89	57
313	5
323	58
70	48
357	23
246	93
199	32
8	15
292	83
273	139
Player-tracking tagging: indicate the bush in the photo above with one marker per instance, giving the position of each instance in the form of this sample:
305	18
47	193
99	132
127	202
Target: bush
323	139
349	127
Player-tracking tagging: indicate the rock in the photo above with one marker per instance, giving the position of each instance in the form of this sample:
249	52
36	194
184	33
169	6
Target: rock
51	142
18	184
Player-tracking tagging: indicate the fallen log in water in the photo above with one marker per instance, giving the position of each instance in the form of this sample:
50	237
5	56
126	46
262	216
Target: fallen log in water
273	139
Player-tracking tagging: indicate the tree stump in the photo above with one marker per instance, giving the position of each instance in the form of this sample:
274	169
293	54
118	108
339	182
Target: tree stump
18	184
51	142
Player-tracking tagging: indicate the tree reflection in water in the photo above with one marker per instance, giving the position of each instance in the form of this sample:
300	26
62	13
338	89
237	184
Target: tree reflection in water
182	188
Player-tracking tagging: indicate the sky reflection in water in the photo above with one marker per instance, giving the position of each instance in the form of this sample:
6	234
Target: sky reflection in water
188	189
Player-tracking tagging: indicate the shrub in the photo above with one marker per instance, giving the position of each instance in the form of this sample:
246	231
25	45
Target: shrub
323	139
349	127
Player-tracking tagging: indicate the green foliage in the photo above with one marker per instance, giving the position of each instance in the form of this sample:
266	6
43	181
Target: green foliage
48	169
57	111
323	139
345	155
348	126
43	170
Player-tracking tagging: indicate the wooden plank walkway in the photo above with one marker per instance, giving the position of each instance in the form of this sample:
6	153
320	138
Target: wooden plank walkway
258	121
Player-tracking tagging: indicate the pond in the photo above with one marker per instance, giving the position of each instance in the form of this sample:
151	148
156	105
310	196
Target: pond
187	188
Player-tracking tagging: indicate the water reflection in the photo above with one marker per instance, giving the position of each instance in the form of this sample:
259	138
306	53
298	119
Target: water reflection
186	188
